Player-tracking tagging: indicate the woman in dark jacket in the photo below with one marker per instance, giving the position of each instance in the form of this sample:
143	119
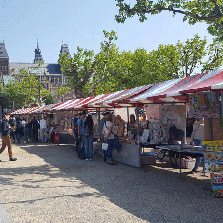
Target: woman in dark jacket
88	137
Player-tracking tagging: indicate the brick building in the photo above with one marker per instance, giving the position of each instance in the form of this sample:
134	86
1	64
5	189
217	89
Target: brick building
49	74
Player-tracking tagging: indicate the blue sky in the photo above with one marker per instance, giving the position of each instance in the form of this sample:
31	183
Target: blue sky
81	23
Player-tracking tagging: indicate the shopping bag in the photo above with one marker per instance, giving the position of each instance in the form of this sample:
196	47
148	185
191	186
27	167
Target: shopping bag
104	146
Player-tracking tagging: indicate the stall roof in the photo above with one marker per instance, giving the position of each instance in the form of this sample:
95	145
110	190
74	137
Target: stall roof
169	91
155	90
206	82
217	86
61	105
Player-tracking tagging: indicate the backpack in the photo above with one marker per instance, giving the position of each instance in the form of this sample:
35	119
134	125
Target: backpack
86	131
75	126
18	125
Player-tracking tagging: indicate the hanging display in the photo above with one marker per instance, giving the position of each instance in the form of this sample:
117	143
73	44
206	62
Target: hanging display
204	105
152	112
213	156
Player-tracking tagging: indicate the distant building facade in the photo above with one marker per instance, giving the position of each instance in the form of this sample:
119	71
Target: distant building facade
49	74
4	60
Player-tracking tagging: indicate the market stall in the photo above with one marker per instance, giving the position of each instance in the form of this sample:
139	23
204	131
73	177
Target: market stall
159	108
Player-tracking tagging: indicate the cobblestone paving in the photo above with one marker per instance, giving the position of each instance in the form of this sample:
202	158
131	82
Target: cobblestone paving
49	184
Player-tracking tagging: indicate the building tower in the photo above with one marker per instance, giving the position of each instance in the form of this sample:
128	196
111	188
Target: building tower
38	55
64	49
4	60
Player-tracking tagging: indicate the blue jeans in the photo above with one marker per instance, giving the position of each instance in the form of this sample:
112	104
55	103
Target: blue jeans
18	137
199	160
110	148
26	134
80	152
43	135
89	144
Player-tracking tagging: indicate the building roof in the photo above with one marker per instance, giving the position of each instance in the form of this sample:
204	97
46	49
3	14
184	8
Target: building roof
3	52
46	68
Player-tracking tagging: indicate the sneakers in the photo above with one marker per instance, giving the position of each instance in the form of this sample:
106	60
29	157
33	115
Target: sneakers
25	142
90	159
194	170
87	159
12	159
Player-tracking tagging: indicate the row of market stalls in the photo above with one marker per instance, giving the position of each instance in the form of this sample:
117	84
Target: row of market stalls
165	104
172	91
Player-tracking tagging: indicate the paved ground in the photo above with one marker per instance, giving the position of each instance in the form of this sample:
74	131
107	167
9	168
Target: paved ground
49	184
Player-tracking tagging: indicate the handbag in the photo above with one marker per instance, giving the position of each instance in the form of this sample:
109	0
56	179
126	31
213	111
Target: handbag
104	146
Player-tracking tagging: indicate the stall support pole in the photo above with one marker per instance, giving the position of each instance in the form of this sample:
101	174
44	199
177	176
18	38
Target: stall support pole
211	128
58	128
127	119
137	118
99	118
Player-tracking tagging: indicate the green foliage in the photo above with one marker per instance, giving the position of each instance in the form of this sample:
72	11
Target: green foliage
209	11
47	97
24	91
114	70
78	69
62	91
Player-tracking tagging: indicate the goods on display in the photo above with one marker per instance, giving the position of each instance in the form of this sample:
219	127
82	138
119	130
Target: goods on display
214	167
186	163
217	184
213	145
222	110
152	112
204	105
213	155
158	133
162	118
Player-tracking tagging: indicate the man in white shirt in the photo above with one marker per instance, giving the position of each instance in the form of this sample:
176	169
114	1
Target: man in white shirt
197	137
43	124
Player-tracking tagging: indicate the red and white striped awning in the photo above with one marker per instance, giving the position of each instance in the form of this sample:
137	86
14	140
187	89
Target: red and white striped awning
206	83
156	89
60	106
175	90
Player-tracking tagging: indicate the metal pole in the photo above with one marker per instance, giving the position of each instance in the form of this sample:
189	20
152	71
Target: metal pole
58	127
211	129
137	118
99	116
128	119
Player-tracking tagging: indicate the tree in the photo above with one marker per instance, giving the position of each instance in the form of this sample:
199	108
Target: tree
114	70
47	97
25	91
60	92
86	71
209	11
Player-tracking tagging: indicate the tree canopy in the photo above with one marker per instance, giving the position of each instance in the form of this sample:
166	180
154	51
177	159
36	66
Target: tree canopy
25	90
209	11
113	70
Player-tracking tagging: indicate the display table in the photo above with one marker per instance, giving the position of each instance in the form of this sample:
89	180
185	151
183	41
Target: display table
66	138
187	150
129	154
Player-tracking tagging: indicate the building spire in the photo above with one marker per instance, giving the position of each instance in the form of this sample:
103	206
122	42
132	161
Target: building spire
38	55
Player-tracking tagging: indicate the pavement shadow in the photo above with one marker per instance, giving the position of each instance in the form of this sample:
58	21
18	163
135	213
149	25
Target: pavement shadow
152	193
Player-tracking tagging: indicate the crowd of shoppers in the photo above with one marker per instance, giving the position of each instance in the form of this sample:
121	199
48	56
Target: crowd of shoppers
82	127
28	128
83	132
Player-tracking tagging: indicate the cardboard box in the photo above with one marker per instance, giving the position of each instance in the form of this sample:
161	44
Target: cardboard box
148	159
186	163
